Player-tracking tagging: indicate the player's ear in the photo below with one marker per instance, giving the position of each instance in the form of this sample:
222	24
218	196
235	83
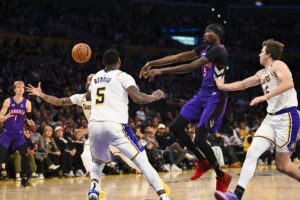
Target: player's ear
119	62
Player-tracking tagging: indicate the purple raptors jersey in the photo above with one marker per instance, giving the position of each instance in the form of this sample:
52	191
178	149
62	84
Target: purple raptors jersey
207	108
18	111
208	70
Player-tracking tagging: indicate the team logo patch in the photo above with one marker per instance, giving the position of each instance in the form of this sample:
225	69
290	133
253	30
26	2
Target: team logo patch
211	123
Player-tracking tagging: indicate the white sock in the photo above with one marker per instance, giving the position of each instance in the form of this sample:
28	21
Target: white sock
95	173
258	147
141	161
164	197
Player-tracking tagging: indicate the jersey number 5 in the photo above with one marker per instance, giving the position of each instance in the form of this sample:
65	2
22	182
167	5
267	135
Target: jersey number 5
100	95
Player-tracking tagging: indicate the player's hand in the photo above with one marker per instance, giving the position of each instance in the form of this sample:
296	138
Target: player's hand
158	94
37	91
258	100
80	132
153	72
5	117
145	70
220	82
30	122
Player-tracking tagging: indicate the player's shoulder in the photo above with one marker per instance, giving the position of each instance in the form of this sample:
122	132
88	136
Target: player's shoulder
278	63
7	100
122	74
220	47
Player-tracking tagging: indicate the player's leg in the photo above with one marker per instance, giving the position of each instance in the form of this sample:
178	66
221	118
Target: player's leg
5	141
86	156
210	120
99	142
127	143
24	164
190	112
284	165
3	160
287	130
96	168
258	147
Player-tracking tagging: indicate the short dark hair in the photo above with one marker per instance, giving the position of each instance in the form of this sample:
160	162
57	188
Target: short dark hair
273	47
110	57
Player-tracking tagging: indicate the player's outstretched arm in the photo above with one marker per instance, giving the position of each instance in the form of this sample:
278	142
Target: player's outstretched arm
238	85
37	91
180	69
184	56
142	98
3	115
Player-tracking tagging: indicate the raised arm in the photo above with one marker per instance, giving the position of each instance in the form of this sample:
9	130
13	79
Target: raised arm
37	91
239	85
142	98
184	56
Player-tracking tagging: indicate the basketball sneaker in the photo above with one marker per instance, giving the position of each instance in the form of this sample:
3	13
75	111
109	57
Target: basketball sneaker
3	173
202	166
18	177
225	196
223	182
25	182
93	195
101	195
164	197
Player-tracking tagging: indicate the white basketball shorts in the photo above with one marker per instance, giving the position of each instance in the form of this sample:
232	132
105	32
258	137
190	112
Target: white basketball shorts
282	130
105	133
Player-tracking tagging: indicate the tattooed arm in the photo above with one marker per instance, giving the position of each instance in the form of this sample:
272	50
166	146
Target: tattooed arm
50	99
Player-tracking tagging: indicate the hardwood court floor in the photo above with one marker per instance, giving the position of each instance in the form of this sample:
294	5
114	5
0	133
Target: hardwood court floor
268	184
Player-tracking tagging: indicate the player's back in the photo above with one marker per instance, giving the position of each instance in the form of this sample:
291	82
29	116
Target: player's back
17	110
109	96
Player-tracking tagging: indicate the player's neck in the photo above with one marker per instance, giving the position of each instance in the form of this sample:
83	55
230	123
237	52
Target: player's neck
18	98
215	44
110	68
269	63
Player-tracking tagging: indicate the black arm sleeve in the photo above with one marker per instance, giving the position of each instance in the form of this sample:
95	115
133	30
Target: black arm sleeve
218	56
29	115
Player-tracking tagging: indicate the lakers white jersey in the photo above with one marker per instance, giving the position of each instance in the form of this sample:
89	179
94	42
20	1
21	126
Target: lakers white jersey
80	100
110	97
269	82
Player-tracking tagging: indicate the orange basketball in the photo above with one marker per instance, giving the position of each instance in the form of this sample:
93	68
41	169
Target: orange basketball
81	53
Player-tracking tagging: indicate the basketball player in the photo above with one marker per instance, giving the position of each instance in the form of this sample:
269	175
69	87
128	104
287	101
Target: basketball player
280	126
109	117
84	101
15	111
207	107
81	100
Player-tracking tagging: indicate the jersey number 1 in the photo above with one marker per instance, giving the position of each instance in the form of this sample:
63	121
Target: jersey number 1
100	95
